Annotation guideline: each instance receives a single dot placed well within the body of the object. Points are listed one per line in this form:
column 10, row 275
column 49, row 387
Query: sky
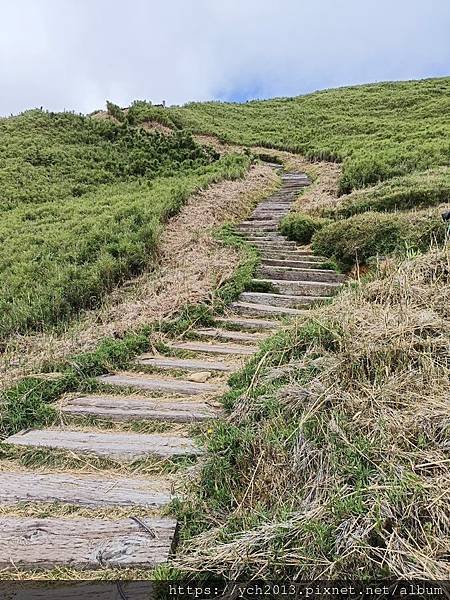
column 76, row 54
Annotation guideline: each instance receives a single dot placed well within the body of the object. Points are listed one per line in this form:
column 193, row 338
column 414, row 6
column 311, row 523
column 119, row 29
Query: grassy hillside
column 81, row 203
column 377, row 131
column 393, row 142
column 333, row 463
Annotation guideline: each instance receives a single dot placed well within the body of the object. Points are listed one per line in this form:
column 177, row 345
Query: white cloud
column 74, row 54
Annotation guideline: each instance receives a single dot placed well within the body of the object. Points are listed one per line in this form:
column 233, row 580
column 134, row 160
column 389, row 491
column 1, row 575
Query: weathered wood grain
column 89, row 543
column 300, row 274
column 184, row 364
column 65, row 590
column 249, row 308
column 226, row 334
column 215, row 348
column 148, row 382
column 301, row 288
column 128, row 408
column 123, row 446
column 289, row 300
column 83, row 490
column 248, row 323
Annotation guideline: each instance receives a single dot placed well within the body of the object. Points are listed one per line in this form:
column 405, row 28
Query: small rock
column 200, row 377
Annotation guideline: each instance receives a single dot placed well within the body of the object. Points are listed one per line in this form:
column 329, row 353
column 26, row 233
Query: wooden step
column 124, row 446
column 300, row 288
column 248, row 323
column 215, row 348
column 130, row 408
column 27, row 542
column 294, row 255
column 248, row 308
column 83, row 490
column 151, row 383
column 287, row 300
column 182, row 364
column 268, row 242
column 296, row 264
column 295, row 274
column 227, row 334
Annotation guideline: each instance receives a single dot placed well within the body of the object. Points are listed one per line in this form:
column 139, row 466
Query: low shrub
column 115, row 111
column 363, row 236
column 417, row 190
column 301, row 228
column 141, row 111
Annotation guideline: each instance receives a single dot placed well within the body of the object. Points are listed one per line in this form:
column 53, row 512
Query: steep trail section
column 146, row 414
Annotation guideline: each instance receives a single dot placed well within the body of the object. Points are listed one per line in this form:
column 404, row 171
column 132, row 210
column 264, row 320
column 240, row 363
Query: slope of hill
column 392, row 136
column 331, row 459
column 82, row 201
column 377, row 131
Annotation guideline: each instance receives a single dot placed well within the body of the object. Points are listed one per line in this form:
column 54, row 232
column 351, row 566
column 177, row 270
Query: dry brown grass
column 191, row 266
column 360, row 484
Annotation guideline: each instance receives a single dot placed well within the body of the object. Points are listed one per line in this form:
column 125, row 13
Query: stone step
column 227, row 334
column 248, row 308
column 123, row 446
column 131, row 408
column 248, row 323
column 183, row 364
column 215, row 348
column 278, row 299
column 296, row 264
column 83, row 490
column 31, row 543
column 295, row 274
column 152, row 383
column 299, row 288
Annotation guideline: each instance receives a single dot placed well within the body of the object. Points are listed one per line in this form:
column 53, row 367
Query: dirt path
column 113, row 463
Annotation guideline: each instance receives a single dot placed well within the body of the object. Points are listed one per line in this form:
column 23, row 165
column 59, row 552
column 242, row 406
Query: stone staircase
column 174, row 391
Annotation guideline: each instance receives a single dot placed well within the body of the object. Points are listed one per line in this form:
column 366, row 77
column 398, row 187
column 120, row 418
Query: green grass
column 301, row 228
column 91, row 215
column 321, row 462
column 416, row 191
column 29, row 403
column 378, row 131
column 364, row 236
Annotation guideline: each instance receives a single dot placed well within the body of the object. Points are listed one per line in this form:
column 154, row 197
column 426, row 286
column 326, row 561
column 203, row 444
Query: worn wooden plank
column 124, row 446
column 83, row 490
column 128, row 408
column 226, row 334
column 215, row 348
column 235, row 321
column 249, row 308
column 299, row 274
column 66, row 590
column 287, row 300
column 84, row 543
column 183, row 364
column 147, row 382
column 296, row 264
column 300, row 288
column 294, row 255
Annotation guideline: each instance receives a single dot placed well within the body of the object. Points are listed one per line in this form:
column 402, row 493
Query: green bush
column 115, row 111
column 364, row 236
column 418, row 190
column 141, row 111
column 301, row 228
column 82, row 205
